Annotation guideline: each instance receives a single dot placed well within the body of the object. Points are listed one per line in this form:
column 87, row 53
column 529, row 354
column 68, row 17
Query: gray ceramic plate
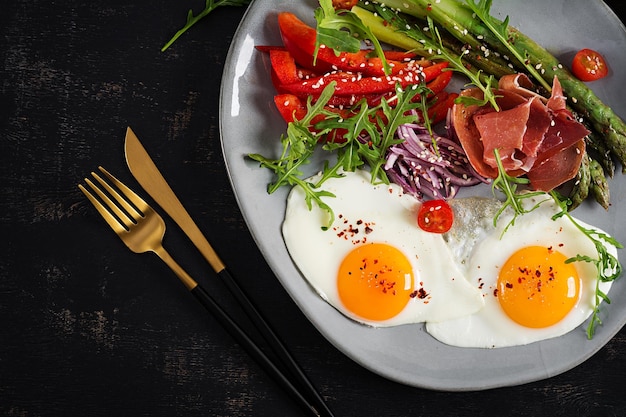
column 407, row 354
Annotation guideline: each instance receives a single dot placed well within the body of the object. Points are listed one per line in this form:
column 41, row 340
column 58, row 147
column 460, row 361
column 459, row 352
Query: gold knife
column 148, row 175
column 150, row 178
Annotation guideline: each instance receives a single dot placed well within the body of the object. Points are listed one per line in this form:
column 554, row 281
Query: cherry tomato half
column 435, row 216
column 589, row 65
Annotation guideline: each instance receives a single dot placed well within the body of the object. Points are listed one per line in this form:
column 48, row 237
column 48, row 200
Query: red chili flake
column 509, row 285
column 420, row 293
column 495, row 292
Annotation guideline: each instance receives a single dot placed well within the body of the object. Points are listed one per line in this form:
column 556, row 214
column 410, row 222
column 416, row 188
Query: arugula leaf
column 508, row 185
column 482, row 10
column 343, row 31
column 209, row 6
column 396, row 116
column 369, row 133
column 434, row 42
column 607, row 265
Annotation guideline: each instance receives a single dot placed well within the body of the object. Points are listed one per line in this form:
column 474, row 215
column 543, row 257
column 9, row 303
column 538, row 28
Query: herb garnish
column 370, row 132
column 508, row 185
column 482, row 10
column 343, row 31
column 432, row 41
column 607, row 265
column 209, row 6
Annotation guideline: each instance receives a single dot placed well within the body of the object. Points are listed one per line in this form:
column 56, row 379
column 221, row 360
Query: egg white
column 390, row 217
column 482, row 249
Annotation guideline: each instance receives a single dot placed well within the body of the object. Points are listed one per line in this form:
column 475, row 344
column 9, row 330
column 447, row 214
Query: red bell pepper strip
column 291, row 108
column 440, row 82
column 299, row 39
column 349, row 84
column 436, row 86
column 400, row 55
column 283, row 67
column 389, row 54
column 439, row 106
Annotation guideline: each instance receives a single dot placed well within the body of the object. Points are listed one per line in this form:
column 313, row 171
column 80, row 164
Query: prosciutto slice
column 534, row 136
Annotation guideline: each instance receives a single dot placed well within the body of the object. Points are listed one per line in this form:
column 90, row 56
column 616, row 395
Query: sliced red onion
column 424, row 172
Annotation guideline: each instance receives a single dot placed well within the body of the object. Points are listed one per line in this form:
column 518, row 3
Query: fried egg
column 531, row 293
column 374, row 264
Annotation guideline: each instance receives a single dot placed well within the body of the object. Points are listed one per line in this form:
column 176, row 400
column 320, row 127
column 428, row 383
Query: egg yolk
column 536, row 288
column 375, row 281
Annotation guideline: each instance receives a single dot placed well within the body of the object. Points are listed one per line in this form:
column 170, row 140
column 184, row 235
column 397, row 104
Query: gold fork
column 142, row 229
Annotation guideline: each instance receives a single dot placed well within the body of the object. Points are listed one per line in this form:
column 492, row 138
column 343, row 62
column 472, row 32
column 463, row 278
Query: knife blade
column 150, row 178
column 148, row 175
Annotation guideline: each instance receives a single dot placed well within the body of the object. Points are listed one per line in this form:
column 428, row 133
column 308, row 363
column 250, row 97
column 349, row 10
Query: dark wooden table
column 89, row 329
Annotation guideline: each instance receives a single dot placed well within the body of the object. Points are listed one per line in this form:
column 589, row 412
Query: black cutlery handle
column 274, row 342
column 253, row 350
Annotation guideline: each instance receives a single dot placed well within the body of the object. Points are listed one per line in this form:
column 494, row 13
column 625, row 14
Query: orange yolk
column 536, row 288
column 375, row 281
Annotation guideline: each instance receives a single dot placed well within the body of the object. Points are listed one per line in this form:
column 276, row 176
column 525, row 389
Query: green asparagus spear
column 599, row 185
column 600, row 151
column 461, row 21
column 582, row 183
column 430, row 46
column 397, row 34
column 581, row 98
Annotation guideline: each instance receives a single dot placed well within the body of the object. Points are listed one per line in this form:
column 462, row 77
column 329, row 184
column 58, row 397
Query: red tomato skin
column 435, row 216
column 589, row 65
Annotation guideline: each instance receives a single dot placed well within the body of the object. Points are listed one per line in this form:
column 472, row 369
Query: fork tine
column 131, row 212
column 125, row 218
column 113, row 222
column 130, row 194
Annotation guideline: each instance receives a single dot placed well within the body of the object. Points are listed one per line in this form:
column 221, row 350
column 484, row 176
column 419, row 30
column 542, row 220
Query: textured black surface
column 88, row 328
